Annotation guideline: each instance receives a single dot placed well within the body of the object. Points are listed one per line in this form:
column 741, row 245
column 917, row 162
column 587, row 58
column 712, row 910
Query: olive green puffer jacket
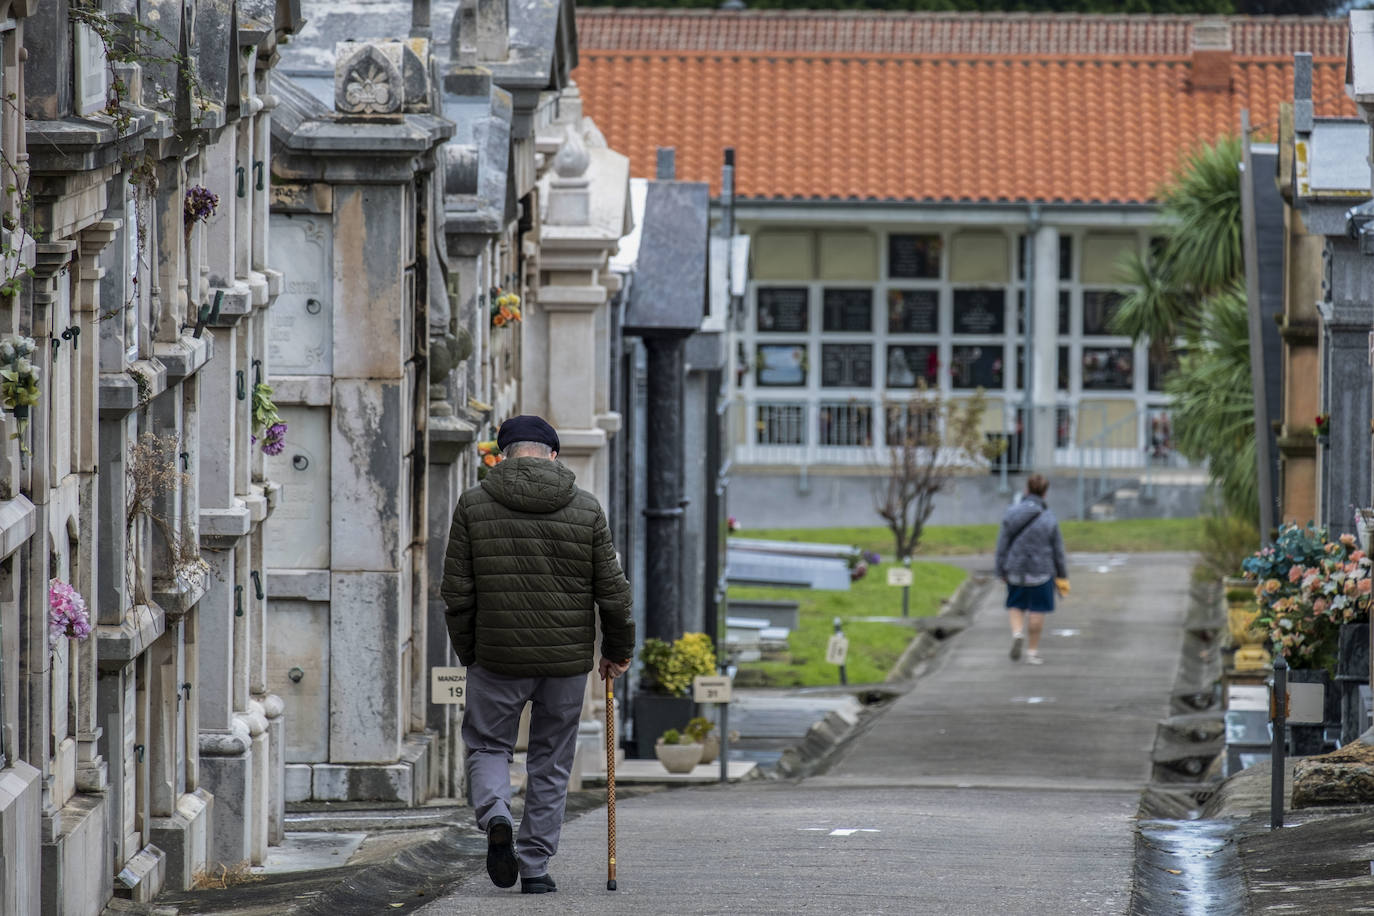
column 529, row 560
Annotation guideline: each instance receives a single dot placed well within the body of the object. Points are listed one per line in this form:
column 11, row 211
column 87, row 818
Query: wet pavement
column 988, row 787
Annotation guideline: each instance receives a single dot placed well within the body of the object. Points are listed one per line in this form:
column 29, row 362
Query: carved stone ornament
column 367, row 78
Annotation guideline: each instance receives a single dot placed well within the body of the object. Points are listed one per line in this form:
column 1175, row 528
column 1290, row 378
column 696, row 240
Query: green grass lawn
column 873, row 647
column 1118, row 536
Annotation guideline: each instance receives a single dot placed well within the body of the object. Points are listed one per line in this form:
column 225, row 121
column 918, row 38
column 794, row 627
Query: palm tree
column 1188, row 298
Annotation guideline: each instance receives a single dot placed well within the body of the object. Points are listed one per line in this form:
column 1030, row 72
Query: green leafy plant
column 699, row 728
column 669, row 668
column 1188, row 299
column 267, row 425
column 671, row 736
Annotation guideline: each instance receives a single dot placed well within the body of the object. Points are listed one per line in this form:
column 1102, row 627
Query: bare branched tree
column 930, row 439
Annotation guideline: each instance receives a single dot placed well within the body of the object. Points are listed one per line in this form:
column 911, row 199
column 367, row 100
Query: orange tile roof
column 843, row 124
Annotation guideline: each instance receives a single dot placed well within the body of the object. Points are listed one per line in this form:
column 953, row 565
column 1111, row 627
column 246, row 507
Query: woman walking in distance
column 1030, row 559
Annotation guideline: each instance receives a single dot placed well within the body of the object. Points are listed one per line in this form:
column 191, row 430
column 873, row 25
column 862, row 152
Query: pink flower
column 1295, row 573
column 67, row 617
column 1348, row 540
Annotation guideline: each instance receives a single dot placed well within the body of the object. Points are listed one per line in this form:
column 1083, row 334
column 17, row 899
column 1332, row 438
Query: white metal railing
column 856, row 433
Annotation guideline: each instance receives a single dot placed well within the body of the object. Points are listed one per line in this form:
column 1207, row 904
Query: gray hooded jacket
column 1030, row 550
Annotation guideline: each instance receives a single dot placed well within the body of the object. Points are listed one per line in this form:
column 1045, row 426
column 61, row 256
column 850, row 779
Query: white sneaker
column 1033, row 658
column 1017, row 642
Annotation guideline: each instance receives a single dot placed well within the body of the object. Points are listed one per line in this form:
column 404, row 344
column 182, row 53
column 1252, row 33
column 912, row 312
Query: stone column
column 1044, row 377
column 1346, row 319
column 664, row 499
column 91, row 773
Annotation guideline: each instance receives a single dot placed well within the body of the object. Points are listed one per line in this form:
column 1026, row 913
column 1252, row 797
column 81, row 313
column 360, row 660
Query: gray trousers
column 491, row 725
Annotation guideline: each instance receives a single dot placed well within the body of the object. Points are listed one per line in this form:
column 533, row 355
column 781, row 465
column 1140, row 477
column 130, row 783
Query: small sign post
column 901, row 576
column 717, row 688
column 711, row 688
column 837, row 650
column 449, row 685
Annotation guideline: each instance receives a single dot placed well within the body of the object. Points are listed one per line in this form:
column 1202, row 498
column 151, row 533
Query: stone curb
column 413, row 877
column 375, row 820
column 959, row 604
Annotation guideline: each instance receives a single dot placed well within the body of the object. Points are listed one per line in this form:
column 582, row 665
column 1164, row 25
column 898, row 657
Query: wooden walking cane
column 610, row 785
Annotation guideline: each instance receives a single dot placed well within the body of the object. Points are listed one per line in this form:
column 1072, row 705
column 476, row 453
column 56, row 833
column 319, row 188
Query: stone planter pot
column 653, row 714
column 678, row 758
column 710, row 748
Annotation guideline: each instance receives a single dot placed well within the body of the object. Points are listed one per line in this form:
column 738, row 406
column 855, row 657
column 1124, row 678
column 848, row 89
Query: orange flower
column 490, row 460
column 498, row 320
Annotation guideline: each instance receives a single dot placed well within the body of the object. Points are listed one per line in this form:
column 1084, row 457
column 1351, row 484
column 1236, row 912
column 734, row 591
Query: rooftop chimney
column 1211, row 64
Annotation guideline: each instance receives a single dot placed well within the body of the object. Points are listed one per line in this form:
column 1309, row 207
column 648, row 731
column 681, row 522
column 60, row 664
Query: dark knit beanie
column 526, row 428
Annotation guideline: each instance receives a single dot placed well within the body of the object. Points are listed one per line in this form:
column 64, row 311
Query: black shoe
column 539, row 884
column 501, row 864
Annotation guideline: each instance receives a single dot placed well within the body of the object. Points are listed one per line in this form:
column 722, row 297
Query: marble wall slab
column 365, row 688
column 298, row 535
column 298, row 638
column 300, row 330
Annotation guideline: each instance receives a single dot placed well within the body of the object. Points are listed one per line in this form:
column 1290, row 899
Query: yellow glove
column 1062, row 585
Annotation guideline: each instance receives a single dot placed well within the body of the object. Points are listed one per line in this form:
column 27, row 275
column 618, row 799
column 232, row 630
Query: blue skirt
column 1037, row 598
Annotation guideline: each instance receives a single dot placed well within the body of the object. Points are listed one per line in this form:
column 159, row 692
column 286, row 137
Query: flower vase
column 1249, row 640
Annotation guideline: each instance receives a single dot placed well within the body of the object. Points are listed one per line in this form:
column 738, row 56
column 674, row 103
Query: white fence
column 1098, row 440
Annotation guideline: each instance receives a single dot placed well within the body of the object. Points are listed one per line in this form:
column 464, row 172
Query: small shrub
column 699, row 728
column 669, row 669
column 672, row 736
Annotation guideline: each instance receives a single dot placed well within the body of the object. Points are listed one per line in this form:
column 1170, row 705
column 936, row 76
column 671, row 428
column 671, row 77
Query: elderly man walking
column 529, row 563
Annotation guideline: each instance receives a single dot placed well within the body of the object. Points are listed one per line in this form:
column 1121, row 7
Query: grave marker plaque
column 980, row 311
column 907, row 364
column 783, row 309
column 846, row 365
column 913, row 311
column 915, row 257
column 848, row 310
column 976, row 367
column 780, row 365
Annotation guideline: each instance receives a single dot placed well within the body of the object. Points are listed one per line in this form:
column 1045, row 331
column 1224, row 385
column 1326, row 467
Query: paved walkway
column 990, row 788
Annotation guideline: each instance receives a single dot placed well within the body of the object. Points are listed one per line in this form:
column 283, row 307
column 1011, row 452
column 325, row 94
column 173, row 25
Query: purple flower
column 872, row 557
column 200, row 204
column 274, row 440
